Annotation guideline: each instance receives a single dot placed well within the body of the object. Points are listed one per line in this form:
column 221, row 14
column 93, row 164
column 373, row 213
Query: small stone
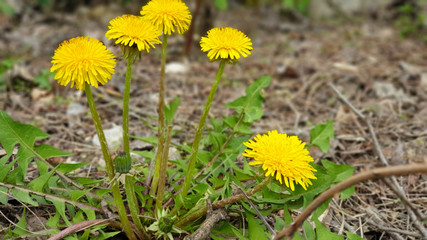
column 176, row 67
column 113, row 136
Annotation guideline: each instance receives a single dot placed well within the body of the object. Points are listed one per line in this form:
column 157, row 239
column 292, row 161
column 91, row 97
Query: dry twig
column 212, row 217
column 360, row 177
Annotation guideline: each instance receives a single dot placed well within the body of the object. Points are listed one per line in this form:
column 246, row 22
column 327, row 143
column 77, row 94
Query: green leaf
column 251, row 104
column 255, row 229
column 324, row 234
column 12, row 133
column 21, row 225
column 321, row 134
column 170, row 110
column 60, row 207
column 23, row 197
column 44, row 78
column 53, row 221
column 87, row 181
column 308, row 230
column 352, row 236
column 346, row 193
column 4, row 196
column 339, row 171
column 221, row 4
column 279, row 223
column 39, row 183
column 6, row 9
column 320, row 210
column 47, row 151
column 227, row 230
column 68, row 167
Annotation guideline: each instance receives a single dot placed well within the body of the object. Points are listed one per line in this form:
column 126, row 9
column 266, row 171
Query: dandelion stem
column 161, row 121
column 126, row 96
column 197, row 138
column 109, row 163
column 163, row 167
column 133, row 204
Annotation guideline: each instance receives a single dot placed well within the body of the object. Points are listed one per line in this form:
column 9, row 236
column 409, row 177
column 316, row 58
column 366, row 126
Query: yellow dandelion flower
column 282, row 155
column 130, row 30
column 82, row 60
column 226, row 43
column 167, row 14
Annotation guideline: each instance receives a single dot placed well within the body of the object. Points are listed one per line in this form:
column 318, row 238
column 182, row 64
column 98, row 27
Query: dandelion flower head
column 226, row 43
column 167, row 14
column 82, row 60
column 130, row 30
column 282, row 155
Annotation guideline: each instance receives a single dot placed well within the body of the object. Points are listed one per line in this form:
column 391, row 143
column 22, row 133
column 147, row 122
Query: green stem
column 186, row 219
column 110, row 168
column 163, row 168
column 133, row 204
column 197, row 138
column 126, row 96
column 161, row 121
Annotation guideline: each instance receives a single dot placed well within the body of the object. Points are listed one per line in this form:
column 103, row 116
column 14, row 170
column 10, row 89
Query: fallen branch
column 375, row 173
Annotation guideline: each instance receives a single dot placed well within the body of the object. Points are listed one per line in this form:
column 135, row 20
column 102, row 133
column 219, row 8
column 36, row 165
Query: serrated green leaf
column 308, row 230
column 47, row 151
column 321, row 134
column 352, row 236
column 39, row 183
column 23, row 197
column 170, row 110
column 21, row 226
column 255, row 229
column 60, row 207
column 12, row 133
column 53, row 221
column 324, row 234
column 251, row 103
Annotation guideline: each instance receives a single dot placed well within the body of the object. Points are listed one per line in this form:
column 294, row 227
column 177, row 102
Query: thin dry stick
column 14, row 224
column 78, row 227
column 26, row 207
column 272, row 231
column 360, row 177
column 413, row 213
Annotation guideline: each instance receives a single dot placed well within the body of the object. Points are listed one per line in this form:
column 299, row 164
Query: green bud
column 165, row 224
column 122, row 163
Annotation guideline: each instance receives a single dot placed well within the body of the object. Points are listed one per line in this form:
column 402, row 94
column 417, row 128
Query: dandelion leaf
column 251, row 103
column 323, row 233
column 255, row 229
column 321, row 134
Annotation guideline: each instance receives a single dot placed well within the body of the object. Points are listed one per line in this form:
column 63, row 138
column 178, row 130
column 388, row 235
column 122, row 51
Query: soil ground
column 383, row 75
